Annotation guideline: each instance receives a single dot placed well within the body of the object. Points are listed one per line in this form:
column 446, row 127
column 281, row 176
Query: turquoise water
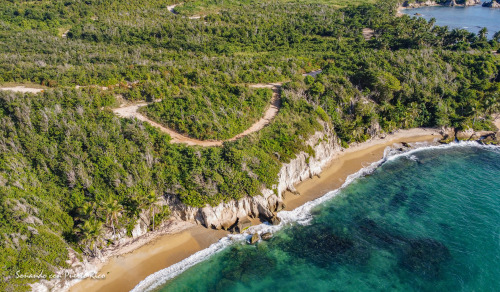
column 424, row 221
column 471, row 18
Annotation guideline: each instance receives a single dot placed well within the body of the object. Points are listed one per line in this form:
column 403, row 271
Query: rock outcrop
column 483, row 137
column 416, row 4
column 450, row 3
column 266, row 236
column 325, row 145
column 472, row 2
column 255, row 238
column 492, row 4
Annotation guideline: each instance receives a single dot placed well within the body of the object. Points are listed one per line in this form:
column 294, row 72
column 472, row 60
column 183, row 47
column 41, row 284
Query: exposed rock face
column 492, row 4
column 417, row 4
column 450, row 3
column 472, row 2
column 275, row 220
column 324, row 144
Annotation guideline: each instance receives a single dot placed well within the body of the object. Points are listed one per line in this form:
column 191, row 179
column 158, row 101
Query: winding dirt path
column 270, row 113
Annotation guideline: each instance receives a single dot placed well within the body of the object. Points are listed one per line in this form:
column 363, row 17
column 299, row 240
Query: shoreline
column 350, row 161
column 123, row 272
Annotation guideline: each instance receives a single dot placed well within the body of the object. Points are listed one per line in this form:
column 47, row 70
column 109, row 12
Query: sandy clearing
column 171, row 8
column 313, row 73
column 22, row 89
column 368, row 33
column 132, row 112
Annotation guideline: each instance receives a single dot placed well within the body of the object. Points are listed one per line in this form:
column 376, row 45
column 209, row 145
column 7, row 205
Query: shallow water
column 424, row 221
column 471, row 18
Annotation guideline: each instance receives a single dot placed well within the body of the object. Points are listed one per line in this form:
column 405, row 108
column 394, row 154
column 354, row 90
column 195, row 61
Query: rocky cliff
column 223, row 216
column 227, row 215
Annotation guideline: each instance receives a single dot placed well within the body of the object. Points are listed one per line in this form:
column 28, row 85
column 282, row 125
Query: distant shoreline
column 399, row 12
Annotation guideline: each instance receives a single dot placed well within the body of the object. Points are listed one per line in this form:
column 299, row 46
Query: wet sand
column 124, row 272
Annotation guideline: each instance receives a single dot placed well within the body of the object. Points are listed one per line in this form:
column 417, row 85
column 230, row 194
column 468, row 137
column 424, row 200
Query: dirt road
column 132, row 112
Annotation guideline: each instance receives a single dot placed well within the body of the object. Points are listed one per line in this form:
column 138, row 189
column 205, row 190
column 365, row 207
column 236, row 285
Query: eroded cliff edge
column 226, row 215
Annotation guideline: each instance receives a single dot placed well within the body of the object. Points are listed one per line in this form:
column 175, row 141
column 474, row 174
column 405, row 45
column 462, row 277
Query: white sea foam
column 301, row 215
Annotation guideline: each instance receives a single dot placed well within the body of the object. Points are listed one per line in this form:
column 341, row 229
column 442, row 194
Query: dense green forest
column 72, row 174
column 208, row 113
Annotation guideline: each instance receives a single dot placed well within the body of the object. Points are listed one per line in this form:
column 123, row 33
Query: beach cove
column 124, row 272
column 421, row 220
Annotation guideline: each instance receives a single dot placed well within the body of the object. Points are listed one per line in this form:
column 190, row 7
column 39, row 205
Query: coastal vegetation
column 74, row 175
column 220, row 112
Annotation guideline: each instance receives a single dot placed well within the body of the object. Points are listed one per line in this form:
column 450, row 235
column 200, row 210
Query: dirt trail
column 313, row 73
column 131, row 111
column 22, row 89
column 270, row 113
column 171, row 9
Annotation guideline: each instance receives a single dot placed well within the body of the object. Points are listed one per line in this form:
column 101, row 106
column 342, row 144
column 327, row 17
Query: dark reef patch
column 424, row 257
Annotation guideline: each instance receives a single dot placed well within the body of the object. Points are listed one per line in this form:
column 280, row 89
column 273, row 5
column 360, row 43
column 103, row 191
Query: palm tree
column 113, row 209
column 90, row 233
column 152, row 200
column 88, row 209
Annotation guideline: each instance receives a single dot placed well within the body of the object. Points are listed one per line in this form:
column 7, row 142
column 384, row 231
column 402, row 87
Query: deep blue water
column 471, row 18
column 424, row 221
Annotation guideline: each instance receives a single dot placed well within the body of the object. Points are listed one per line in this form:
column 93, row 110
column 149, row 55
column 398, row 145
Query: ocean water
column 472, row 18
column 426, row 220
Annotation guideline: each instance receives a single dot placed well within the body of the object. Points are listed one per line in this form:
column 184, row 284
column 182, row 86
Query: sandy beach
column 350, row 161
column 126, row 271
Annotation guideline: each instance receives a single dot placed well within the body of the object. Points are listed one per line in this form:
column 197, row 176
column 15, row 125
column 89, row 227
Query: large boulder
column 464, row 135
column 275, row 220
column 242, row 225
column 266, row 236
column 447, row 139
column 255, row 238
column 275, row 204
